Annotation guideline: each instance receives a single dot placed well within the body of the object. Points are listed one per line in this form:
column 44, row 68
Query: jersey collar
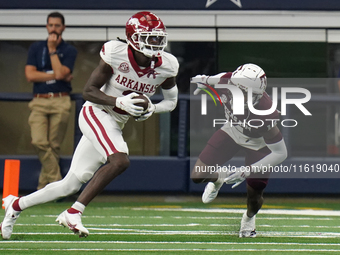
column 141, row 72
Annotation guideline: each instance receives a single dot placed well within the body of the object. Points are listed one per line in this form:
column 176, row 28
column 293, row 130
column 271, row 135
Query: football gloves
column 237, row 177
column 151, row 109
column 200, row 80
column 127, row 103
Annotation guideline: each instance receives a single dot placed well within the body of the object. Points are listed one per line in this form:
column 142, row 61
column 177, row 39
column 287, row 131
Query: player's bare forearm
column 94, row 95
column 98, row 78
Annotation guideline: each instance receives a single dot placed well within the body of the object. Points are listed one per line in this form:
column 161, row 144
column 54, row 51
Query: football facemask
column 150, row 43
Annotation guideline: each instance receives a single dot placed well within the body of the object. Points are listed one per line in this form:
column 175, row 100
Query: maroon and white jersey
column 246, row 129
column 128, row 77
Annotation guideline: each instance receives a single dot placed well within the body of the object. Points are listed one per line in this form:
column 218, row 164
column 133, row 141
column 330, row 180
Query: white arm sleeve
column 278, row 154
column 214, row 79
column 169, row 102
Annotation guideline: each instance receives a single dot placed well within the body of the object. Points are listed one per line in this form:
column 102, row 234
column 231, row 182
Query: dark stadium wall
column 171, row 175
column 175, row 5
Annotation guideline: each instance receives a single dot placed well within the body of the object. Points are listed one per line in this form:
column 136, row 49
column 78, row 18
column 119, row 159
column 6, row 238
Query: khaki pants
column 48, row 121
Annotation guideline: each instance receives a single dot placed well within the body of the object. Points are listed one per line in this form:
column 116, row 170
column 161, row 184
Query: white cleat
column 73, row 222
column 247, row 226
column 11, row 216
column 211, row 191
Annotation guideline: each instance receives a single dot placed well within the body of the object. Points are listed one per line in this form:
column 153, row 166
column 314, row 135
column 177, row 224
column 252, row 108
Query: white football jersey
column 128, row 77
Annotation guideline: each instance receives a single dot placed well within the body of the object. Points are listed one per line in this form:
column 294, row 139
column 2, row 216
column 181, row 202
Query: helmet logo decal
column 134, row 22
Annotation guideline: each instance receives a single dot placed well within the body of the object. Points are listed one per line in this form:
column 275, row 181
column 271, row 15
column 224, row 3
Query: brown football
column 144, row 104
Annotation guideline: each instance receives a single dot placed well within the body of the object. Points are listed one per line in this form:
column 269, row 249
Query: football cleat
column 211, row 191
column 247, row 226
column 11, row 216
column 73, row 222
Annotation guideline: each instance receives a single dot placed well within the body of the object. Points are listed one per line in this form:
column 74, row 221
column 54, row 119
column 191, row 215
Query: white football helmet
column 250, row 76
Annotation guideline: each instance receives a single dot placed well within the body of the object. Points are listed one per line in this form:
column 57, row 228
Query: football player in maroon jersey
column 262, row 142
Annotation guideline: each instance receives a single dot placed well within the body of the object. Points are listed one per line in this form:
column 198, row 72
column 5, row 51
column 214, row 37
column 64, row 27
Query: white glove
column 237, row 177
column 200, row 80
column 147, row 114
column 127, row 103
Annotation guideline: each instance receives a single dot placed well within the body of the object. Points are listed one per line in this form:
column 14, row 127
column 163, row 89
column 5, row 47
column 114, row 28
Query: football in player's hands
column 144, row 104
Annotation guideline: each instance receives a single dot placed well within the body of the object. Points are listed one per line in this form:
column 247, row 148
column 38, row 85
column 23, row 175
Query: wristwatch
column 53, row 53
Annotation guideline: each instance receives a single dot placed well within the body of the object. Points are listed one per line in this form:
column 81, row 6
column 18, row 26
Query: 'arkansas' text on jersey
column 135, row 85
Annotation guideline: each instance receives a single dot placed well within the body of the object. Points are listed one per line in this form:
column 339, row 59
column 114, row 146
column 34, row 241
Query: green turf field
column 180, row 225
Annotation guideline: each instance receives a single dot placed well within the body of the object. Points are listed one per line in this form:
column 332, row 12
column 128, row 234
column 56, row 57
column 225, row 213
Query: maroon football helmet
column 145, row 32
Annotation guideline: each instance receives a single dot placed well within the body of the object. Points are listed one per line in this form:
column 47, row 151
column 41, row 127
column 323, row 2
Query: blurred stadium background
column 154, row 208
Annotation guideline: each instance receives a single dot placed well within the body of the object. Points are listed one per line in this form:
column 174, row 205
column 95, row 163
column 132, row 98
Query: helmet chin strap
column 152, row 68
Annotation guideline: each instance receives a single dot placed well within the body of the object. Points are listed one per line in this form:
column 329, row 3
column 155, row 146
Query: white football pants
column 102, row 136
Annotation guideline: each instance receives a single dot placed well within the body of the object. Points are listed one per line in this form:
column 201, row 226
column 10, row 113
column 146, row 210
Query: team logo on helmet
column 134, row 22
column 124, row 67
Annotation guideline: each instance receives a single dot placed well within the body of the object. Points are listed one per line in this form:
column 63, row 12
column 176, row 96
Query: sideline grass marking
column 176, row 225
column 271, row 207
column 262, row 211
column 192, row 233
column 259, row 217
column 172, row 242
column 99, row 217
column 163, row 250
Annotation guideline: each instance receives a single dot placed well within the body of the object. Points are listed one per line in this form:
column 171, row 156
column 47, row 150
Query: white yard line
column 259, row 217
column 169, row 242
column 192, row 233
column 181, row 225
column 163, row 250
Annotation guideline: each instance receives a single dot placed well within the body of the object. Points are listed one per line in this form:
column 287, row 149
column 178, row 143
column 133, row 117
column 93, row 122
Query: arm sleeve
column 169, row 102
column 214, row 79
column 277, row 155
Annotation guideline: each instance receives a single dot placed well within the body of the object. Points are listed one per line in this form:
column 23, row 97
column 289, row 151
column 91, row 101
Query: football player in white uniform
column 128, row 68
column 261, row 140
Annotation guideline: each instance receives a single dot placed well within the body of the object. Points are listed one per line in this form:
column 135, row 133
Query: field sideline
column 180, row 225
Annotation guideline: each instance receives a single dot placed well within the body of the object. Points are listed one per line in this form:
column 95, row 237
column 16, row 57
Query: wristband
column 53, row 53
